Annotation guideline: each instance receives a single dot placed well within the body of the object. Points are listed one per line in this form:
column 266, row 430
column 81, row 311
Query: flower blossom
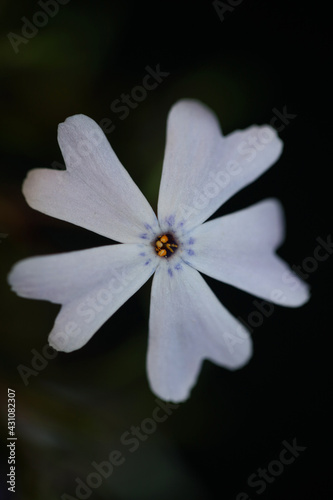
column 202, row 169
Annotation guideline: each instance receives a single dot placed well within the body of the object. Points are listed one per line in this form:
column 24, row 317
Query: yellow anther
column 165, row 245
column 169, row 245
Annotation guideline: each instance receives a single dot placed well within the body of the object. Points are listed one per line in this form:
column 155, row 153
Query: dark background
column 261, row 57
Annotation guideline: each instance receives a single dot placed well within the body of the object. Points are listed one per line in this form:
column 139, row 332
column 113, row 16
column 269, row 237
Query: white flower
column 201, row 170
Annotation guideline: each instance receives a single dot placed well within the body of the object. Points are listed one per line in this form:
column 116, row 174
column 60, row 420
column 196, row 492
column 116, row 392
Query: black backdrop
column 250, row 61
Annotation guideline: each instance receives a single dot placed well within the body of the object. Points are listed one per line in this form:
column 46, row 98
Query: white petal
column 95, row 192
column 238, row 249
column 187, row 324
column 202, row 169
column 91, row 284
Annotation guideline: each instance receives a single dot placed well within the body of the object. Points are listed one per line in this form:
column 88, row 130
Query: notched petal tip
column 69, row 333
column 245, row 358
column 16, row 279
column 177, row 392
column 56, row 346
column 28, row 182
column 301, row 296
column 172, row 398
column 61, row 343
column 35, row 184
column 77, row 120
column 195, row 110
column 191, row 103
column 190, row 326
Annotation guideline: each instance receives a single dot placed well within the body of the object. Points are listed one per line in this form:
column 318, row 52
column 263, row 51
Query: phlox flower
column 202, row 169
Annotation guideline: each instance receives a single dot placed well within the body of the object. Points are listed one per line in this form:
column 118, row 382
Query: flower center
column 165, row 245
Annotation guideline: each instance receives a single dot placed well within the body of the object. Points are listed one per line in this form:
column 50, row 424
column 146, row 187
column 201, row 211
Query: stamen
column 165, row 245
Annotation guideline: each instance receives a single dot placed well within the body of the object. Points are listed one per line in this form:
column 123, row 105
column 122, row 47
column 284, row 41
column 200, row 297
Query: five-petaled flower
column 201, row 170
